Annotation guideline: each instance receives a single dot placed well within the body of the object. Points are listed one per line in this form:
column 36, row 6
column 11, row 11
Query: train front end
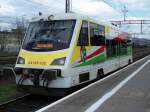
column 42, row 60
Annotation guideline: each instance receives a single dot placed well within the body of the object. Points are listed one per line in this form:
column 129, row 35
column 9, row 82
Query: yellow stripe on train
column 36, row 59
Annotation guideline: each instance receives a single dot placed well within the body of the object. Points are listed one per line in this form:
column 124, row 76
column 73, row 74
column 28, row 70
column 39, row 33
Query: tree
column 20, row 24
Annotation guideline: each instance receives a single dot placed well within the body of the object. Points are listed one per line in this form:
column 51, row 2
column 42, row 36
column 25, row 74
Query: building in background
column 10, row 42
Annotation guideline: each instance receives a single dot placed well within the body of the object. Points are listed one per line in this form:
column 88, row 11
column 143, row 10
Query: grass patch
column 7, row 90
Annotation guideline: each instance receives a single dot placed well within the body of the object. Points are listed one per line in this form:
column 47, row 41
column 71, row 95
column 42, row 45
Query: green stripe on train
column 95, row 60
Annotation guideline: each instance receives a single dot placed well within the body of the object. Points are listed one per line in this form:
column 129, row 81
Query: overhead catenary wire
column 110, row 5
column 122, row 3
column 52, row 8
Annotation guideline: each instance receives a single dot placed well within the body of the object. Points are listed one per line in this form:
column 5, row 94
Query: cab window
column 43, row 36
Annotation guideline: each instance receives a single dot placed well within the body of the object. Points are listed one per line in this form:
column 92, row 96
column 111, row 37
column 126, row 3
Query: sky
column 101, row 9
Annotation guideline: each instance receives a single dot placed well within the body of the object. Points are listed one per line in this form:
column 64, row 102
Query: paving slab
column 133, row 97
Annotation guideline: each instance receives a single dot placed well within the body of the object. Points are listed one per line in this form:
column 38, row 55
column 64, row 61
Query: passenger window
column 111, row 48
column 83, row 37
column 97, row 35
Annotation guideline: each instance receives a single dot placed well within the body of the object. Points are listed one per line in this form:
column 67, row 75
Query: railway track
column 28, row 103
column 6, row 103
column 7, row 60
column 139, row 52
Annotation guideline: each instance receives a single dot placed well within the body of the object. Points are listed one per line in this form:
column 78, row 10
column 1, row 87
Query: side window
column 111, row 48
column 83, row 37
column 97, row 35
column 123, row 48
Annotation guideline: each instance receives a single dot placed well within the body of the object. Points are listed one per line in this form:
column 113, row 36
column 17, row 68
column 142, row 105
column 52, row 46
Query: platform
column 127, row 90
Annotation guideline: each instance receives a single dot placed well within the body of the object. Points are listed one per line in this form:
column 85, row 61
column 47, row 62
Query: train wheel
column 100, row 74
column 129, row 62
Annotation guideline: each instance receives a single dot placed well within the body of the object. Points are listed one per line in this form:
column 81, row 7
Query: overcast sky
column 101, row 9
column 136, row 8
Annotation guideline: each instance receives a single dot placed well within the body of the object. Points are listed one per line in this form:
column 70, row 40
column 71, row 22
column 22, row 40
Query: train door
column 118, row 52
column 97, row 42
column 83, row 41
column 122, row 50
column 118, row 47
column 83, row 49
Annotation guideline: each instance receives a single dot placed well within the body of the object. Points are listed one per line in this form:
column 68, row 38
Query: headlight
column 21, row 60
column 59, row 61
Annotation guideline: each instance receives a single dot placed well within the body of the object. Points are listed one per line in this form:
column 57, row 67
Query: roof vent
column 40, row 13
column 50, row 17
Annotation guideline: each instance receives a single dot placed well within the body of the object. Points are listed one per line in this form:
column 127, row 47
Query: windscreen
column 49, row 35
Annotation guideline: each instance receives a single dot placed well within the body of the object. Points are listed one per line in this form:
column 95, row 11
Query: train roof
column 56, row 16
column 68, row 16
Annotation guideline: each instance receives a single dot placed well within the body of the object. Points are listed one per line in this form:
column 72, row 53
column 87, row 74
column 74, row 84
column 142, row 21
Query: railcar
column 65, row 50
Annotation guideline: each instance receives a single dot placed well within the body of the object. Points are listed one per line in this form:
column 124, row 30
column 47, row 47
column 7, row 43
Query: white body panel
column 71, row 74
